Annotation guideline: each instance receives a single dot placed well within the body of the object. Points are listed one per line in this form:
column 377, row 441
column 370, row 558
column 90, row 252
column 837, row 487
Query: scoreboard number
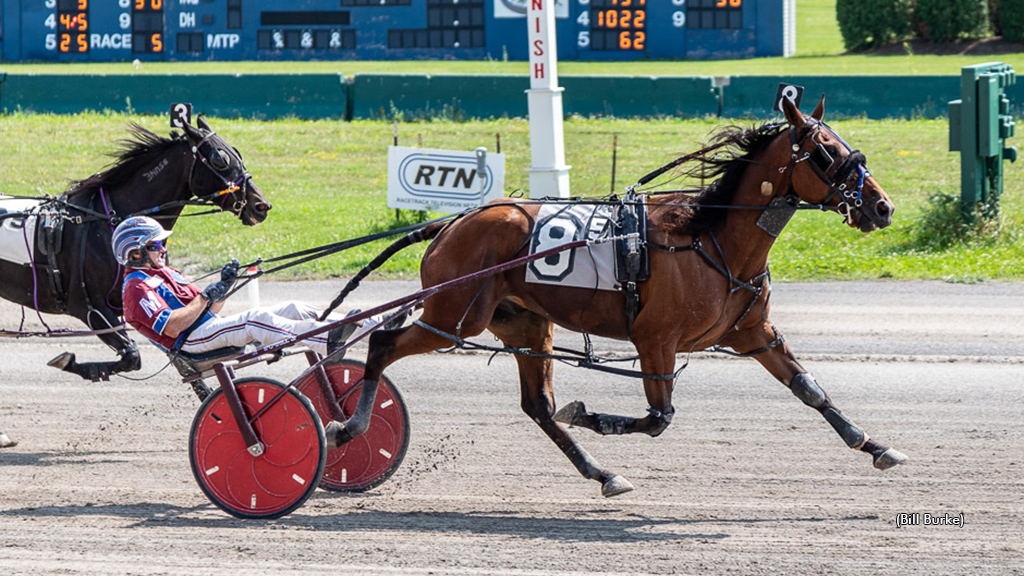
column 181, row 114
column 236, row 30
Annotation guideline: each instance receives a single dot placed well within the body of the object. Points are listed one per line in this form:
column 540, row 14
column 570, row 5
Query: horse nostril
column 263, row 206
column 883, row 208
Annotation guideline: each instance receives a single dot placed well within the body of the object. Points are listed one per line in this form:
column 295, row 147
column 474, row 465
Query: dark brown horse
column 708, row 285
column 152, row 176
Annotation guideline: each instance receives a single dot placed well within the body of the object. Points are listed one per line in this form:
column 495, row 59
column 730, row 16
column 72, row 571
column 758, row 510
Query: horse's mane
column 132, row 154
column 729, row 151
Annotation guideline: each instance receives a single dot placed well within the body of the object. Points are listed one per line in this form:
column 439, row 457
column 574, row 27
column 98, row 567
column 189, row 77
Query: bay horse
column 708, row 285
column 74, row 271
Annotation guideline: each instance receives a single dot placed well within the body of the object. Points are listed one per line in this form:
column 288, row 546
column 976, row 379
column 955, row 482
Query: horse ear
column 819, row 110
column 793, row 115
column 201, row 122
column 191, row 133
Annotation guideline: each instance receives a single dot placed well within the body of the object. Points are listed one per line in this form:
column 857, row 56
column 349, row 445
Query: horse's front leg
column 658, row 364
column 129, row 360
column 779, row 360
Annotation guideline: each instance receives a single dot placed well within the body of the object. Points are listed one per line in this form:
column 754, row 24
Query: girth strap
column 631, row 253
column 49, row 241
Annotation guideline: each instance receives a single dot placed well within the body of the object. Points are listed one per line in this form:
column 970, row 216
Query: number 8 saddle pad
column 586, row 267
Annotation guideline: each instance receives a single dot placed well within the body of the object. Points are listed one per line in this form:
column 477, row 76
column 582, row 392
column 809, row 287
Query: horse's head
column 825, row 170
column 219, row 170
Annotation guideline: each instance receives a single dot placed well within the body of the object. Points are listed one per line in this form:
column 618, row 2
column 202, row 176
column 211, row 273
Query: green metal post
column 979, row 124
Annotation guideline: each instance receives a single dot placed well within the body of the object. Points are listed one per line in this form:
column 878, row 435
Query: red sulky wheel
column 274, row 483
column 372, row 458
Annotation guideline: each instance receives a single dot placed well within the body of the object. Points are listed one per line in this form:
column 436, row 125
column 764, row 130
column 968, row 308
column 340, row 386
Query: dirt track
column 746, row 480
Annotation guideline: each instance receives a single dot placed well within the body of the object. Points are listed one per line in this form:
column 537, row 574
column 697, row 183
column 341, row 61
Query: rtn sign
column 443, row 180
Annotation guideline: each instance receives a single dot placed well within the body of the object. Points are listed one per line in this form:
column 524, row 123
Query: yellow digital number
column 625, row 42
column 638, row 41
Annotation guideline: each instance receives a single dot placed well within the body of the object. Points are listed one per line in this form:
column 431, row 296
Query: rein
column 303, row 256
column 586, row 359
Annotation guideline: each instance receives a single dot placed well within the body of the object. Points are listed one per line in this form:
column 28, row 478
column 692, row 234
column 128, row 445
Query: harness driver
column 174, row 314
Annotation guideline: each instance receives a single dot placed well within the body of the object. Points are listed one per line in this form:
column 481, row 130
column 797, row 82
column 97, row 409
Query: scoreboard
column 197, row 30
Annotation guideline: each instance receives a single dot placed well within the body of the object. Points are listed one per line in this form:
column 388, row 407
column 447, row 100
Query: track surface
column 746, row 480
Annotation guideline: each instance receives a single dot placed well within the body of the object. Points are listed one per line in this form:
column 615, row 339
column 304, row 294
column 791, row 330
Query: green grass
column 817, row 32
column 328, row 180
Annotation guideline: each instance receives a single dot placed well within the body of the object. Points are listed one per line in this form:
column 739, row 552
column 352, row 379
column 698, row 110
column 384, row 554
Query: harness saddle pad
column 14, row 231
column 587, row 267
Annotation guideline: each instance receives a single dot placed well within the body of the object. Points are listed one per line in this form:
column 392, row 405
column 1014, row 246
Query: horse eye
column 217, row 160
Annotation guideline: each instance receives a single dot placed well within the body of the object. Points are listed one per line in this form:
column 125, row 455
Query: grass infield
column 328, row 180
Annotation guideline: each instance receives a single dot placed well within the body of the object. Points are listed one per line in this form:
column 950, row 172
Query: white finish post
column 253, row 288
column 549, row 176
column 788, row 28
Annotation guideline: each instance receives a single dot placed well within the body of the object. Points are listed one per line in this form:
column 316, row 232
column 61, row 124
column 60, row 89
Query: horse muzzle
column 870, row 217
column 256, row 206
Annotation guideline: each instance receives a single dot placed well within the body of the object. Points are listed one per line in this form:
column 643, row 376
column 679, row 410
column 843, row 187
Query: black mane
column 133, row 155
column 736, row 147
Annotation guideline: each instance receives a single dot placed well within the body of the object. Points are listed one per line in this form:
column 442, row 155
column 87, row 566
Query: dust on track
column 747, row 480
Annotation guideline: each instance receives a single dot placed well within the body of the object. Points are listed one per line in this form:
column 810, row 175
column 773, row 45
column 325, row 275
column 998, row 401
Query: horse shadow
column 57, row 458
column 568, row 526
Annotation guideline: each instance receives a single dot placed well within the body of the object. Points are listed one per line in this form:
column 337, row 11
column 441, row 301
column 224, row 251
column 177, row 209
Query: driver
column 174, row 314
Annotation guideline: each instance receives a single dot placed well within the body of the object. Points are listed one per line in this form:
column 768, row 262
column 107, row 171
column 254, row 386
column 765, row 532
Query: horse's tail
column 428, row 232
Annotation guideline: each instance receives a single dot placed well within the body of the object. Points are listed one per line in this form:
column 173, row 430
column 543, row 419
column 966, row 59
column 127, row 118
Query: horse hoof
column 615, row 485
column 6, row 442
column 891, row 457
column 332, row 432
column 570, row 413
column 62, row 361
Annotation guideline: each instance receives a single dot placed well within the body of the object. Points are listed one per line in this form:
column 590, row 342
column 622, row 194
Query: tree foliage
column 869, row 23
column 950, row 20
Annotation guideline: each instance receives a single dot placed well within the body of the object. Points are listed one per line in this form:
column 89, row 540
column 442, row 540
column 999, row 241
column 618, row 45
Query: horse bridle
column 238, row 190
column 841, row 177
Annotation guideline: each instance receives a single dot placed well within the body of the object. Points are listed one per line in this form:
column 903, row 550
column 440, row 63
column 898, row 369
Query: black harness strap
column 47, row 233
column 756, row 285
column 571, row 357
column 779, row 339
column 631, row 253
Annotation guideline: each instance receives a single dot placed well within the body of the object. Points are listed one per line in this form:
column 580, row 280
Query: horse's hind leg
column 386, row 347
column 524, row 329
